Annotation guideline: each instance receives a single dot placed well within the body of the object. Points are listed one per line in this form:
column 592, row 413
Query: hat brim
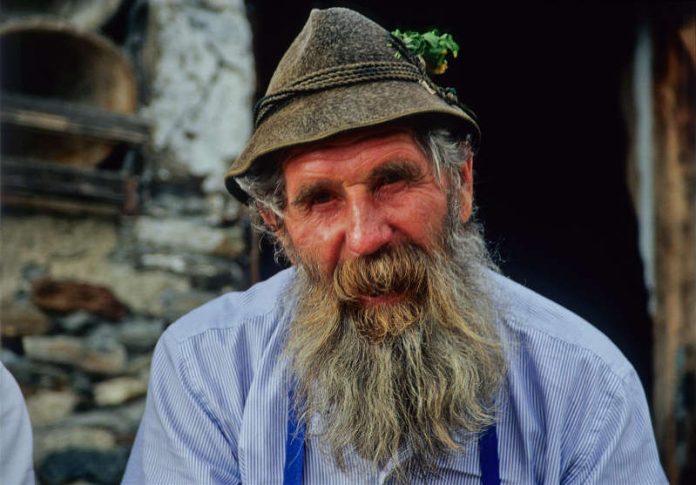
column 323, row 114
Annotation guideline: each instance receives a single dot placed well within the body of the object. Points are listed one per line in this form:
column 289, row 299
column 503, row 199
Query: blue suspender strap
column 294, row 447
column 488, row 457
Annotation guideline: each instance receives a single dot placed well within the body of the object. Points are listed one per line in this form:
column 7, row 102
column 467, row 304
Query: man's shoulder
column 542, row 325
column 263, row 303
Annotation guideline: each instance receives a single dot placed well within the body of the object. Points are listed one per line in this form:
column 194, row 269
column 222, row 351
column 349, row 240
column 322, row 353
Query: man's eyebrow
column 396, row 170
column 306, row 192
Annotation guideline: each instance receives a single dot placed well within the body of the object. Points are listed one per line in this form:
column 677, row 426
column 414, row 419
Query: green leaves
column 432, row 47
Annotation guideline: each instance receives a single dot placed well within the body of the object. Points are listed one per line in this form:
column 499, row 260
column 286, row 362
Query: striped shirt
column 572, row 409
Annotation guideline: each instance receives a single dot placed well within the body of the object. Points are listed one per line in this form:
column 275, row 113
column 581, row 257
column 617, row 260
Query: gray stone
column 84, row 466
column 176, row 263
column 203, row 85
column 107, row 420
column 177, row 304
column 139, row 364
column 122, row 420
column 132, row 412
column 223, row 209
column 176, row 205
column 78, row 322
column 204, row 272
column 35, row 374
column 49, row 407
column 32, row 271
column 119, row 390
column 190, row 235
column 48, row 440
column 98, row 356
column 103, row 335
column 214, row 276
column 81, row 383
column 140, row 335
column 22, row 318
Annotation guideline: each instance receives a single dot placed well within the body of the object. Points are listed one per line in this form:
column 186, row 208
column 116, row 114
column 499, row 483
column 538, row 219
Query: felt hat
column 341, row 73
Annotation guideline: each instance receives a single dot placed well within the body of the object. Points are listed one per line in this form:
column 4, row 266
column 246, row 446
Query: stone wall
column 84, row 299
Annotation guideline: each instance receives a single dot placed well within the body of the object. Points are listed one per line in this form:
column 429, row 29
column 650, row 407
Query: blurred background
column 119, row 118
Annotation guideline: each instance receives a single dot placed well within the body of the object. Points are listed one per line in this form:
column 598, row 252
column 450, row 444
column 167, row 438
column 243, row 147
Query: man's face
column 391, row 342
column 358, row 193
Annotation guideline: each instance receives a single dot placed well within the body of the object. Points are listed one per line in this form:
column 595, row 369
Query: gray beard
column 408, row 383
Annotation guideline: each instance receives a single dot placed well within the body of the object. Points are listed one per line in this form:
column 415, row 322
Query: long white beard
column 418, row 375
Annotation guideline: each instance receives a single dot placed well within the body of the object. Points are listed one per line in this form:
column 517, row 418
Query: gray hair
column 266, row 185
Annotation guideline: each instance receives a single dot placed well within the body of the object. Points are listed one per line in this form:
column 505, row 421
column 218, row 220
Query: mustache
column 401, row 269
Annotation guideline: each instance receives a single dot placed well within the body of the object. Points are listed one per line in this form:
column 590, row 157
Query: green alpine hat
column 342, row 72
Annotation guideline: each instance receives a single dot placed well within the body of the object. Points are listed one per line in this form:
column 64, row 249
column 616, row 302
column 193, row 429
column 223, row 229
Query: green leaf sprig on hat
column 431, row 47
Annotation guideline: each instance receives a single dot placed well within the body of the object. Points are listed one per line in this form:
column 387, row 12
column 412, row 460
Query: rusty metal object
column 52, row 61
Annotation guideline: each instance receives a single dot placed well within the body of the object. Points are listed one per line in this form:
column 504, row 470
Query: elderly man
column 392, row 351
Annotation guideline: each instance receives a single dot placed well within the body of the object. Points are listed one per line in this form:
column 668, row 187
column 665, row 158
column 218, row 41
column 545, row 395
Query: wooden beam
column 27, row 179
column 72, row 118
column 675, row 236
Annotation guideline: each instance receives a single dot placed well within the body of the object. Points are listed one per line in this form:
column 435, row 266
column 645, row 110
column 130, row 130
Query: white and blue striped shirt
column 572, row 409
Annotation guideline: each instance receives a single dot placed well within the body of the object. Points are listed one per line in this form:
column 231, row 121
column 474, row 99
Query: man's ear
column 466, row 195
column 270, row 219
column 274, row 225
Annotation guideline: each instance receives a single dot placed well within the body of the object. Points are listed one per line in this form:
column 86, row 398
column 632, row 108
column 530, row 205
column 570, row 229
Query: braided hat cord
column 338, row 76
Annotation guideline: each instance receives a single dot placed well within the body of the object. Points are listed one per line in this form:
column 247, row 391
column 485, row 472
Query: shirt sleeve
column 179, row 440
column 16, row 466
column 624, row 450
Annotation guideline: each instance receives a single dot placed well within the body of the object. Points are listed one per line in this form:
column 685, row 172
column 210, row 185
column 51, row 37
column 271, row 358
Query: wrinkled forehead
column 353, row 138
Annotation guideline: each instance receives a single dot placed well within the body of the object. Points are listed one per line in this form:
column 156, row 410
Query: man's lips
column 387, row 299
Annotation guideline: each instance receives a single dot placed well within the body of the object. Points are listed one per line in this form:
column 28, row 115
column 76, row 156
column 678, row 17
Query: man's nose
column 368, row 228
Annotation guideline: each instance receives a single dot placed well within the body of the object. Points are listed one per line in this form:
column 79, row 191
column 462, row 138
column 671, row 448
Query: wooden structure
column 662, row 176
column 68, row 99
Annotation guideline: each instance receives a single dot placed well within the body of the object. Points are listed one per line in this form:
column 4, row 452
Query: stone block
column 123, row 420
column 189, row 235
column 96, row 357
column 177, row 304
column 139, row 364
column 30, row 374
column 20, row 319
column 201, row 59
column 69, row 296
column 140, row 335
column 81, row 465
column 50, row 439
column 78, row 322
column 49, row 407
column 119, row 390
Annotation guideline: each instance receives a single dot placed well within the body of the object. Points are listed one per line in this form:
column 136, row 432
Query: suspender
column 488, row 456
column 294, row 452
column 294, row 447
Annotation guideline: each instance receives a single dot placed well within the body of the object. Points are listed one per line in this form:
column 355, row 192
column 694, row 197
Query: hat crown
column 342, row 72
column 330, row 38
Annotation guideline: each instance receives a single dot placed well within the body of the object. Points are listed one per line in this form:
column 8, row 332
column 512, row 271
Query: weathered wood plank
column 72, row 118
column 24, row 179
column 675, row 253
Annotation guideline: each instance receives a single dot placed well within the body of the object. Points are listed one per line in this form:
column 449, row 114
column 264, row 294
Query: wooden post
column 674, row 176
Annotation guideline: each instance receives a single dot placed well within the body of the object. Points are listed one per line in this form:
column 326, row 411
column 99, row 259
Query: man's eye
column 321, row 198
column 390, row 179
